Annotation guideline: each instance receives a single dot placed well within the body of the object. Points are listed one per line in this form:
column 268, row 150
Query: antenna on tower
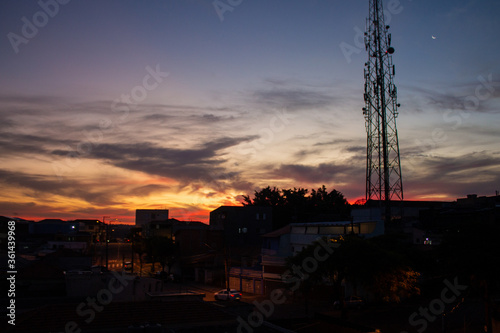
column 383, row 167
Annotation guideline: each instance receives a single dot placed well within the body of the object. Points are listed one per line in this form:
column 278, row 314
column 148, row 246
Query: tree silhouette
column 366, row 263
column 470, row 251
column 297, row 205
column 162, row 250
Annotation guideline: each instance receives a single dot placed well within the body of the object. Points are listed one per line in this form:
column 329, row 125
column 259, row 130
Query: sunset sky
column 110, row 106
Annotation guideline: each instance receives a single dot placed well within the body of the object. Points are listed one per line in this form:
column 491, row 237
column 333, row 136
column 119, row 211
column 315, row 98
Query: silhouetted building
column 94, row 228
column 242, row 225
column 21, row 229
column 68, row 260
column 201, row 255
column 276, row 248
column 53, row 226
column 145, row 216
column 469, row 210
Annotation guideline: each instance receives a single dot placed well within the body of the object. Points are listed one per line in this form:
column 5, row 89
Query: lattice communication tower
column 383, row 167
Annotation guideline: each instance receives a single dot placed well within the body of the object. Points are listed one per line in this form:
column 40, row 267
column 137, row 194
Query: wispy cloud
column 472, row 96
column 448, row 175
column 293, row 99
column 36, row 185
column 203, row 162
column 324, row 173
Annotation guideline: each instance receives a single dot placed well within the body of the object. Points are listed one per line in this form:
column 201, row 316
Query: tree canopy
column 302, row 205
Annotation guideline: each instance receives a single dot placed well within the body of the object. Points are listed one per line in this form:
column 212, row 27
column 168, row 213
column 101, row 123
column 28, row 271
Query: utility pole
column 383, row 167
column 107, row 238
column 226, row 255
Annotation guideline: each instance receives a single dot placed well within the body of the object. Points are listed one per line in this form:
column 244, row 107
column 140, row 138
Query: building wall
column 243, row 225
column 304, row 234
column 246, row 280
column 145, row 216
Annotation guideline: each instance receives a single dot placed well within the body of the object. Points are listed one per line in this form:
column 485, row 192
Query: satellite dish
column 390, row 50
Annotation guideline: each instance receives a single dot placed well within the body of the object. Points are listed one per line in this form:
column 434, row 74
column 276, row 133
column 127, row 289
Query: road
column 118, row 253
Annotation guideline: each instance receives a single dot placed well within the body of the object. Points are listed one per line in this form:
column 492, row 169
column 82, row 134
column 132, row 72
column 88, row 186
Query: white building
column 304, row 234
column 290, row 240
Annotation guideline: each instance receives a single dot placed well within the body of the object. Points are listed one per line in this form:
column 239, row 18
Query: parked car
column 353, row 302
column 127, row 265
column 224, row 295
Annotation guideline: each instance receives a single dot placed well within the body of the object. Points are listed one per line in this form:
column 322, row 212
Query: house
column 276, row 248
column 94, row 228
column 201, row 255
column 243, row 227
column 290, row 240
column 145, row 216
column 304, row 234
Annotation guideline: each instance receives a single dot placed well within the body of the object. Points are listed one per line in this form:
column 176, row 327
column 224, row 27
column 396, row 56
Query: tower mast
column 383, row 167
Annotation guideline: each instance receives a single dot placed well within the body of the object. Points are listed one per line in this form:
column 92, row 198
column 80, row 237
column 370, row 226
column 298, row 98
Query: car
column 353, row 302
column 127, row 266
column 224, row 295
